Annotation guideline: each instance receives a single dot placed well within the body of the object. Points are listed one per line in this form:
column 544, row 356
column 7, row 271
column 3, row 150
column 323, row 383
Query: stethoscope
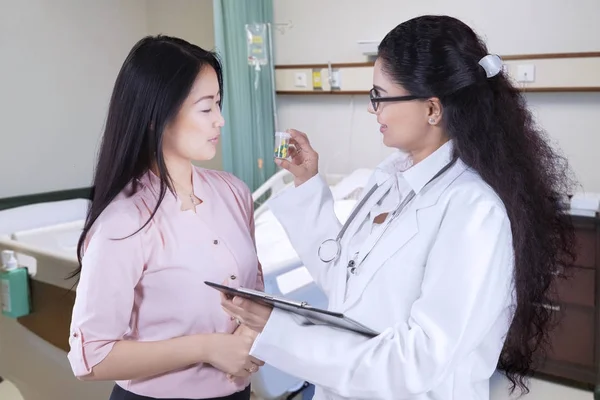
column 331, row 249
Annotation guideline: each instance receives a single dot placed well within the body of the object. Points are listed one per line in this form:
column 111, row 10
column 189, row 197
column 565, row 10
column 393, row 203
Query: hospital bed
column 37, row 365
column 283, row 271
column 44, row 236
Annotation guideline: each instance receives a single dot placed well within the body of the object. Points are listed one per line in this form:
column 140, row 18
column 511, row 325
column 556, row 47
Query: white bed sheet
column 59, row 238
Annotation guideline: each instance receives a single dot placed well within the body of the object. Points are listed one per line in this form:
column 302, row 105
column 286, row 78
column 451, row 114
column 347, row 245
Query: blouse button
column 215, row 241
column 233, row 277
column 75, row 334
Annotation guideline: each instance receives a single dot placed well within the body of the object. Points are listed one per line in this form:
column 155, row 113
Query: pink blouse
column 151, row 287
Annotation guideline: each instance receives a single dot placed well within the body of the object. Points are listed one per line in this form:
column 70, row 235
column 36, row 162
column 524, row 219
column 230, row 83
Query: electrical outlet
column 526, row 73
column 300, row 79
column 336, row 79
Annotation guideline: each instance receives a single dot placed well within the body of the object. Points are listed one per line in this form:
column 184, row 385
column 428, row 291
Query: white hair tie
column 492, row 64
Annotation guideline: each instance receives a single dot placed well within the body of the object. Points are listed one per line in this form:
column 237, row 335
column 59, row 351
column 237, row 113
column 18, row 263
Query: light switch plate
column 336, row 79
column 300, row 79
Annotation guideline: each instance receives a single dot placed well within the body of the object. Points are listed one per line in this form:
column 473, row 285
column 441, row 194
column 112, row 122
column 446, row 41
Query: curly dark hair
column 495, row 134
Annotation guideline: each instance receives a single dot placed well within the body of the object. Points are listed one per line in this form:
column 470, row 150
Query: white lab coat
column 438, row 286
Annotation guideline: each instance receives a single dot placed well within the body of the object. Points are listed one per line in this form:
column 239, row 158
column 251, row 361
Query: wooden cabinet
column 574, row 352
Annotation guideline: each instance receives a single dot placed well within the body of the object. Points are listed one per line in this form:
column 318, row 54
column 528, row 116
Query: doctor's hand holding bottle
column 305, row 160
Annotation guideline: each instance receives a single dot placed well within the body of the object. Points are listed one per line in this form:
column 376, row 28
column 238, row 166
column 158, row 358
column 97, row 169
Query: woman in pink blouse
column 157, row 229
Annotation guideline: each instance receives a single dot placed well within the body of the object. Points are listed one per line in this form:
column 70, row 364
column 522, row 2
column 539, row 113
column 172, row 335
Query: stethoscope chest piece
column 329, row 250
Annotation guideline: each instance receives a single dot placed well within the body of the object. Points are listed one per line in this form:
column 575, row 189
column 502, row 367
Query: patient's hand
column 305, row 160
column 245, row 331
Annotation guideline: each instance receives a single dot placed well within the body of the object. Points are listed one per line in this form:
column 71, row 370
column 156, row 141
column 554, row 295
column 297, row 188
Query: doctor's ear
column 434, row 111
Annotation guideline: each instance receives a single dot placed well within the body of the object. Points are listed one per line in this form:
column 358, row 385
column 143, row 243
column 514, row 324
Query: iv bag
column 257, row 40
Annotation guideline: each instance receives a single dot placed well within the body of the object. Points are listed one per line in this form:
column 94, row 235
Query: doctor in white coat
column 451, row 254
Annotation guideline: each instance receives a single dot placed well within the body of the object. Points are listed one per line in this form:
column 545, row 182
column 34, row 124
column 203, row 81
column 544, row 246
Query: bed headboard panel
column 12, row 202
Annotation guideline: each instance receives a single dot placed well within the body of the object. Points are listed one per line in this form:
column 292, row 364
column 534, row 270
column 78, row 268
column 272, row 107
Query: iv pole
column 270, row 57
column 273, row 92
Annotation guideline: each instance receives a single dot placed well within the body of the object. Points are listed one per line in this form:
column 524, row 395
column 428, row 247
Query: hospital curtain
column 248, row 105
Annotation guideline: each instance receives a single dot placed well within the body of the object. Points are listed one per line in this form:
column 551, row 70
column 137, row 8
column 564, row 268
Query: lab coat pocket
column 391, row 291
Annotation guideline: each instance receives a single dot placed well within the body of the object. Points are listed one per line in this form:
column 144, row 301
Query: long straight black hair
column 151, row 86
column 495, row 134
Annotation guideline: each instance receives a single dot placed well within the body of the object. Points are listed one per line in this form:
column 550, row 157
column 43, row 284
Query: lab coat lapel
column 395, row 238
column 398, row 236
column 341, row 266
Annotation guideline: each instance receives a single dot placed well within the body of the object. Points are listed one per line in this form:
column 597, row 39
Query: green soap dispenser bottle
column 14, row 286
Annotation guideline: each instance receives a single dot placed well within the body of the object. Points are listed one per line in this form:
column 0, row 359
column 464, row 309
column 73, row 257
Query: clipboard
column 314, row 316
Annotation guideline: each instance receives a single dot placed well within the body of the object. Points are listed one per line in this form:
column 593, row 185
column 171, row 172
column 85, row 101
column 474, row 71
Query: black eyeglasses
column 375, row 99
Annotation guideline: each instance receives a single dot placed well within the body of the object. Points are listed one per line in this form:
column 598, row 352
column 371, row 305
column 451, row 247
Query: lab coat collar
column 400, row 166
column 418, row 175
column 391, row 166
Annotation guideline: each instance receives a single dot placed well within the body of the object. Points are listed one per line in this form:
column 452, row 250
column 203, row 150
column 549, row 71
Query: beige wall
column 191, row 20
column 60, row 59
column 347, row 137
column 55, row 98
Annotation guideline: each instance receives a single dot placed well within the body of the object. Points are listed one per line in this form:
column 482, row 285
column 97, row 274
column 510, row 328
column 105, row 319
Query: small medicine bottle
column 282, row 145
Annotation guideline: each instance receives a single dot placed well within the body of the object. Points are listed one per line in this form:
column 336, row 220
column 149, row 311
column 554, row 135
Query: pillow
column 355, row 194
column 351, row 186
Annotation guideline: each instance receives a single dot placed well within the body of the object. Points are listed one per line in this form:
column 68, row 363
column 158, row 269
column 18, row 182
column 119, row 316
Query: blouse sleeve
column 112, row 265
